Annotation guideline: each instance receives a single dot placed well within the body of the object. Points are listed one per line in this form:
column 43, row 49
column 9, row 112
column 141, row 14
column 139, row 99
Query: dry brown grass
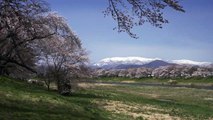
column 84, row 85
column 128, row 81
column 135, row 110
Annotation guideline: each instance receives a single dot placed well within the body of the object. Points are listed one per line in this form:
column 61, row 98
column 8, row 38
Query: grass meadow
column 22, row 101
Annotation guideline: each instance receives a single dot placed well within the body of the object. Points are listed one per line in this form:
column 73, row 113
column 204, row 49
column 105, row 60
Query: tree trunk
column 48, row 87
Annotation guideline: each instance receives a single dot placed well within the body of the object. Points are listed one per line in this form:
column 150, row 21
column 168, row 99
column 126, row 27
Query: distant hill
column 156, row 64
column 137, row 62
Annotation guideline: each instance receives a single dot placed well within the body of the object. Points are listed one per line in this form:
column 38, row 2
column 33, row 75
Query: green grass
column 195, row 80
column 19, row 100
column 22, row 101
column 184, row 101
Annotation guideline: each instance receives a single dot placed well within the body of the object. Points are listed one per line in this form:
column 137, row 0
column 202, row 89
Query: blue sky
column 188, row 35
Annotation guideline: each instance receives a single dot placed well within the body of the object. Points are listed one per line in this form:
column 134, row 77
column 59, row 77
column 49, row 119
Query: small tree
column 45, row 75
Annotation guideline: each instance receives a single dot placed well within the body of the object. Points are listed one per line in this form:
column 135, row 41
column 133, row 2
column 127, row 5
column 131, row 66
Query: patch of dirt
column 136, row 110
column 128, row 81
column 104, row 84
column 92, row 85
column 85, row 85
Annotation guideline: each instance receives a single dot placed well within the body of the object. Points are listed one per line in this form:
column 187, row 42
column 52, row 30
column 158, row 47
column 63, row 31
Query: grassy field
column 22, row 101
column 196, row 81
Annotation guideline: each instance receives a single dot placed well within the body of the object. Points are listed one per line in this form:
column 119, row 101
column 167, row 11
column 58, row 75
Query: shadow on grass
column 72, row 109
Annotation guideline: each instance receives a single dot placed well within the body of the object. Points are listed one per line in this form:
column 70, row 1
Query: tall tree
column 21, row 22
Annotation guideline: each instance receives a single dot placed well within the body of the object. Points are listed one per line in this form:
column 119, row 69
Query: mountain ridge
column 136, row 62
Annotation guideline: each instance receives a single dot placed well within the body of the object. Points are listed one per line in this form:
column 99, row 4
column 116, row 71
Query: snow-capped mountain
column 125, row 61
column 136, row 62
column 190, row 62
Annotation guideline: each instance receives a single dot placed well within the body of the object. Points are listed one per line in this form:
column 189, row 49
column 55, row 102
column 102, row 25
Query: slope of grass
column 22, row 101
column 19, row 100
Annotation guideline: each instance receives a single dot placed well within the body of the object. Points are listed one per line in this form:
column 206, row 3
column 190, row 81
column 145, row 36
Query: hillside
column 19, row 101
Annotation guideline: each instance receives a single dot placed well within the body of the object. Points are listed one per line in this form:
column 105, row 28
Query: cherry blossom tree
column 62, row 53
column 131, row 13
column 21, row 23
